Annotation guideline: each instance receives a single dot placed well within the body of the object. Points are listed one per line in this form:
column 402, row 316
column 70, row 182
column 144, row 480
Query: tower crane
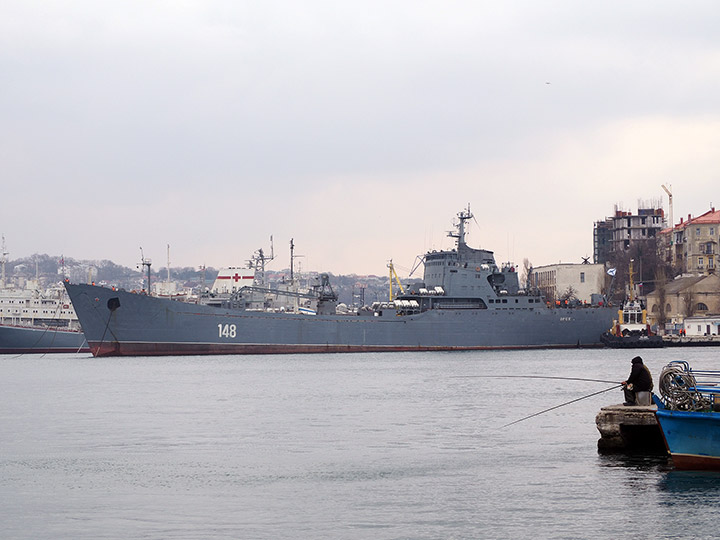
column 668, row 190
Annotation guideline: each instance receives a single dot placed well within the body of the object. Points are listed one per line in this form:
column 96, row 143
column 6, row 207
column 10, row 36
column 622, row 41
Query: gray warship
column 465, row 302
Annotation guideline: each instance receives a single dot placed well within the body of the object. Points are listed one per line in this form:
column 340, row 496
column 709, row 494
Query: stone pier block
column 629, row 429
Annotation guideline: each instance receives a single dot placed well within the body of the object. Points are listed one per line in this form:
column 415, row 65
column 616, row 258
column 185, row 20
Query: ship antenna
column 292, row 260
column 4, row 260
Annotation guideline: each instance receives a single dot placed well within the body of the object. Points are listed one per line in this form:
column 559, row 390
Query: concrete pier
column 629, row 429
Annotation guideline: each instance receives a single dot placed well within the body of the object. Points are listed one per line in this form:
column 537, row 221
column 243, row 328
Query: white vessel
column 33, row 319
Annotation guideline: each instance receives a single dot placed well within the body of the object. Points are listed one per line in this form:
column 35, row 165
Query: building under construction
column 619, row 232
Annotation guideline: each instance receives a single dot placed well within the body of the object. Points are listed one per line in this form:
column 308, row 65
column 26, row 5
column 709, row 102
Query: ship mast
column 258, row 263
column 459, row 236
column 145, row 263
column 292, row 258
column 4, row 260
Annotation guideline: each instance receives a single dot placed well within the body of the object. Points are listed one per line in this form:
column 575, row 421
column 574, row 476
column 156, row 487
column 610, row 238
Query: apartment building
column 692, row 244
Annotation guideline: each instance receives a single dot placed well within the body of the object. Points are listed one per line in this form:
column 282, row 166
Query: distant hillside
column 54, row 267
column 351, row 289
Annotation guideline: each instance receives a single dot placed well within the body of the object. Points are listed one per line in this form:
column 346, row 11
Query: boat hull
column 632, row 342
column 119, row 323
column 32, row 339
column 692, row 438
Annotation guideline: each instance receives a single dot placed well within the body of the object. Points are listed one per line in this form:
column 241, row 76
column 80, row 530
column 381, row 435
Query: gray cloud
column 144, row 110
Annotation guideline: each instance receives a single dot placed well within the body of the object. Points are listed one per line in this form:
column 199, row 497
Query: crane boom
column 394, row 275
column 668, row 190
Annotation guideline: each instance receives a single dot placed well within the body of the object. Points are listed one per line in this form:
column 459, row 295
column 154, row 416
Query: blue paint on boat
column 688, row 411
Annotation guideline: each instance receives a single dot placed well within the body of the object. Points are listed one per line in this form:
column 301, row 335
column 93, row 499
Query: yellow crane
column 394, row 275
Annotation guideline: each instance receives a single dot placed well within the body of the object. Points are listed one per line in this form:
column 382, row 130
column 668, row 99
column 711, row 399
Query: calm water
column 350, row 446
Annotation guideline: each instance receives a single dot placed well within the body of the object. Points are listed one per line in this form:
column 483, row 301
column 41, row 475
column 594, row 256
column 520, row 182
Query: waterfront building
column 579, row 281
column 686, row 296
column 691, row 246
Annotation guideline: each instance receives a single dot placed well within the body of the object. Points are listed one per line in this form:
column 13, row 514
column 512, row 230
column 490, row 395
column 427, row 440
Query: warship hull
column 120, row 323
column 35, row 339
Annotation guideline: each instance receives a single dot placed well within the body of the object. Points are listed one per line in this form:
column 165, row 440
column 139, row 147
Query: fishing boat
column 631, row 329
column 465, row 301
column 688, row 411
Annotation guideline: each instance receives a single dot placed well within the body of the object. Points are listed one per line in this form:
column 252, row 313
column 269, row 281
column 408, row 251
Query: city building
column 565, row 281
column 702, row 326
column 619, row 232
column 692, row 246
column 684, row 297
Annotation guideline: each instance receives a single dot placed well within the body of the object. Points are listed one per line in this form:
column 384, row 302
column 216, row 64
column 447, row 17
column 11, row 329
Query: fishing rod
column 563, row 404
column 530, row 377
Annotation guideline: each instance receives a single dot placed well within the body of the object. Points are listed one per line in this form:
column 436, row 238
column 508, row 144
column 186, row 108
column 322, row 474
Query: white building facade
column 580, row 281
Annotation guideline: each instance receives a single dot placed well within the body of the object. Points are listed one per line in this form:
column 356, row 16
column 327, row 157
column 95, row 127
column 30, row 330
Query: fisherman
column 639, row 384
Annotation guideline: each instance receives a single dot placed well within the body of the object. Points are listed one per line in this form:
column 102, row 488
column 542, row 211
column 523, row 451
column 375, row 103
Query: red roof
column 711, row 216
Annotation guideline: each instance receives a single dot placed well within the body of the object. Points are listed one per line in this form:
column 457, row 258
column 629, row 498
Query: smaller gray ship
column 465, row 302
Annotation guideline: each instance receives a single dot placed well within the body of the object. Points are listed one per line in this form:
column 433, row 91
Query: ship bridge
column 468, row 272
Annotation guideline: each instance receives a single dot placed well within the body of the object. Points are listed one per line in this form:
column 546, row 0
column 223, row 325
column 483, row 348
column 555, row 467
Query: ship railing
column 684, row 389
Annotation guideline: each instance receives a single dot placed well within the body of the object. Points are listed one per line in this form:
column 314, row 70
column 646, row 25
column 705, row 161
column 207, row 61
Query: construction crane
column 668, row 190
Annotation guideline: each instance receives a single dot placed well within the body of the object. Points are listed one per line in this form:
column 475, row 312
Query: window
column 712, row 231
column 697, row 231
column 700, row 262
column 701, row 307
column 582, row 277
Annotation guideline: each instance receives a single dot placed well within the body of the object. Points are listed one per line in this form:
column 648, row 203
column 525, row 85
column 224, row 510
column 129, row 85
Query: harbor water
column 353, row 446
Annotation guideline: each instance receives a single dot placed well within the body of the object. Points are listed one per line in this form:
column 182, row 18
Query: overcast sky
column 360, row 129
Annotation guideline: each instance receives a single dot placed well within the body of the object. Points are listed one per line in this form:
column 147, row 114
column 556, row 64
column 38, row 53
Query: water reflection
column 690, row 482
column 638, row 462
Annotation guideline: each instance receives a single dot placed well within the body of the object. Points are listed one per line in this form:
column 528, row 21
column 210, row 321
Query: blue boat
column 688, row 411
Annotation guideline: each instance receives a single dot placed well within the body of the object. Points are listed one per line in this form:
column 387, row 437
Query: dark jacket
column 640, row 376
